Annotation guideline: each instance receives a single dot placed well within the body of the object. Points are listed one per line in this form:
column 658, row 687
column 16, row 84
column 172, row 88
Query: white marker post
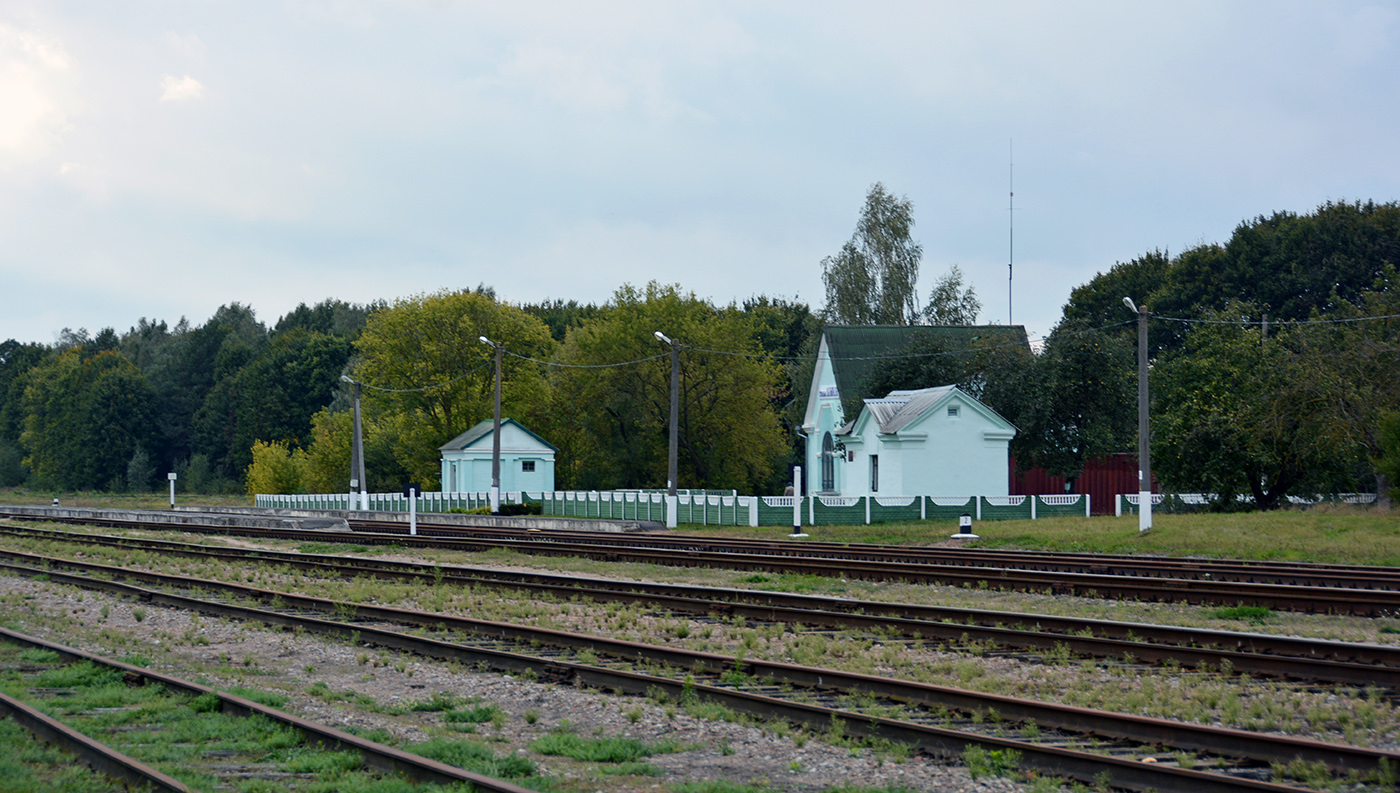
column 171, row 477
column 797, row 502
column 965, row 528
column 413, row 511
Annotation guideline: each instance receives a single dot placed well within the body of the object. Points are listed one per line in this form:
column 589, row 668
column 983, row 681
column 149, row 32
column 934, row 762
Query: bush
column 276, row 469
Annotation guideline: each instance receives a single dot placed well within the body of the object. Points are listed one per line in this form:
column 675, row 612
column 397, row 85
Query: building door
column 828, row 464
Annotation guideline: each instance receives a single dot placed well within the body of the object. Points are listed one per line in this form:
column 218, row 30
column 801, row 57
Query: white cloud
column 35, row 72
column 178, row 89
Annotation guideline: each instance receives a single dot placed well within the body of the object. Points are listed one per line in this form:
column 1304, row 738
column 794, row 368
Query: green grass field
column 86, row 498
column 1323, row 534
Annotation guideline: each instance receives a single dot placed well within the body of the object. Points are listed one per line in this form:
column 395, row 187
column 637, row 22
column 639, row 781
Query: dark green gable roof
column 856, row 349
column 483, row 430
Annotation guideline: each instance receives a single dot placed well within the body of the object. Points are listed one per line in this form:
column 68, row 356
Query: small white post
column 672, row 506
column 350, row 502
column 1144, row 510
column 797, row 501
column 413, row 512
column 171, row 477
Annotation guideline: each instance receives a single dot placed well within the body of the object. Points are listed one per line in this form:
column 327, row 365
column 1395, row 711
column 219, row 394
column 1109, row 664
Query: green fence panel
column 825, row 511
column 1006, row 508
column 894, row 509
column 1059, row 506
column 776, row 511
column 729, row 510
column 939, row 508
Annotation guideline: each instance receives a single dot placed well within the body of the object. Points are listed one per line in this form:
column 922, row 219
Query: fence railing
column 1127, row 503
column 708, row 509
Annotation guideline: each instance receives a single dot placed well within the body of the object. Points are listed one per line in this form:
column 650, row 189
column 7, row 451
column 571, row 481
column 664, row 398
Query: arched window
column 828, row 463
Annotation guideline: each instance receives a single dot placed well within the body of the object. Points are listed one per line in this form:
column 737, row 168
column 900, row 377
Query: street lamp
column 1144, row 436
column 357, row 454
column 671, row 501
column 496, row 432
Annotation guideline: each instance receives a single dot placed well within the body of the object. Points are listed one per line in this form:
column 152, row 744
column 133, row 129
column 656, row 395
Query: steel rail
column 92, row 753
column 1255, row 571
column 1248, row 653
column 1216, row 740
column 1336, row 600
column 377, row 755
column 1291, row 573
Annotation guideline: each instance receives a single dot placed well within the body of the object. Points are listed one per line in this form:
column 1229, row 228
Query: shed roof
column 483, row 430
column 856, row 349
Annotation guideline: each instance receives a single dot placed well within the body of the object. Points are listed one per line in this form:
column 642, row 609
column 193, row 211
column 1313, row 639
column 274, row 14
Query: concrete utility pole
column 496, row 432
column 672, row 502
column 1144, row 434
column 357, row 455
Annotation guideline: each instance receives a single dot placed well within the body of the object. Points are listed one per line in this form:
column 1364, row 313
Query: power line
column 1274, row 322
column 889, row 357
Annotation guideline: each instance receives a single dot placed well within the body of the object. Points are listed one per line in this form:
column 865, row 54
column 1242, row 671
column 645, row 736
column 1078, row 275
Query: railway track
column 1351, row 663
column 1333, row 590
column 72, row 698
column 755, row 688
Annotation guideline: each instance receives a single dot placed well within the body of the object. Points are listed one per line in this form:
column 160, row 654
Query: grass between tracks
column 1337, row 535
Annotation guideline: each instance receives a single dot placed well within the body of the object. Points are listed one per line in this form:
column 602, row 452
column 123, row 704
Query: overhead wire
column 889, row 357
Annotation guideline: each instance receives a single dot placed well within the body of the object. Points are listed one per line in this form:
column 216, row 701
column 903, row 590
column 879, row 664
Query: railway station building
column 527, row 460
column 934, row 441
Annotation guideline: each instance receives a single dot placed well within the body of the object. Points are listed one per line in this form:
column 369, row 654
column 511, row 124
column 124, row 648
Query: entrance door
column 828, row 464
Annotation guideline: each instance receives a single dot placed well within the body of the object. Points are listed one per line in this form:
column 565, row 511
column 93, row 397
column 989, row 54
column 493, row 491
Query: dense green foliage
column 117, row 411
column 1267, row 381
column 612, row 424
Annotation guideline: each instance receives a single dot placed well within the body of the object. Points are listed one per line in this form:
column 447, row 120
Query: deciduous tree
column 613, row 421
column 424, row 365
column 871, row 281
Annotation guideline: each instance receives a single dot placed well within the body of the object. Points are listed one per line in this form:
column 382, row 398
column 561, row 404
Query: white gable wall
column 823, row 416
column 936, row 455
column 469, row 469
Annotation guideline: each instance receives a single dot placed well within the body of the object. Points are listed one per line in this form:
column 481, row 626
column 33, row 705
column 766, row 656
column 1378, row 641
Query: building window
column 874, row 473
column 952, row 411
column 828, row 463
column 527, row 466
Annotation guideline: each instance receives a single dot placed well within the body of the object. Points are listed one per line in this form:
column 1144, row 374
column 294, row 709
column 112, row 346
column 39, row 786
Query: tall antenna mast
column 1011, row 224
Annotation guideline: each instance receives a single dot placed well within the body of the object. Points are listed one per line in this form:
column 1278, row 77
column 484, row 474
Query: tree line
column 1267, row 378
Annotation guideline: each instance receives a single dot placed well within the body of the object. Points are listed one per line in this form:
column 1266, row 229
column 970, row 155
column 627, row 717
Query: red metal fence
column 1103, row 478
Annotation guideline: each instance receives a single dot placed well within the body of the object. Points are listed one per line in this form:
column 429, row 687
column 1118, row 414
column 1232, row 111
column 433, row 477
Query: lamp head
column 486, row 341
column 1128, row 301
column 662, row 337
column 347, row 379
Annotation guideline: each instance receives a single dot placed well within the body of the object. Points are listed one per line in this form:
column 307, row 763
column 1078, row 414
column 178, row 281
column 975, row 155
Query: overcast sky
column 161, row 159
